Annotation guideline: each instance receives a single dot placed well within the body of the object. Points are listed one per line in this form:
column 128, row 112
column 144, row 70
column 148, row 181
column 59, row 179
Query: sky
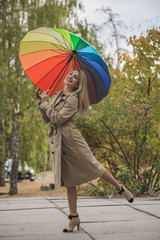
column 132, row 12
column 137, row 15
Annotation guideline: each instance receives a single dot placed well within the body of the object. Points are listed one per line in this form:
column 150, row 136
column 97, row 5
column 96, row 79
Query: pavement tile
column 39, row 231
column 139, row 200
column 15, row 217
column 153, row 209
column 69, row 236
column 87, row 203
column 111, row 219
column 104, row 235
column 119, row 227
column 7, row 204
column 110, row 213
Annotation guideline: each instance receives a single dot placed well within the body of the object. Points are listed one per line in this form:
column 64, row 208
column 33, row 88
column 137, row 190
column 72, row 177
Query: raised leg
column 107, row 177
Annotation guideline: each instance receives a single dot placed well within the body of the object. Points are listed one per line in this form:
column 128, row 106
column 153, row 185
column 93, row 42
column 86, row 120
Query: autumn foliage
column 123, row 130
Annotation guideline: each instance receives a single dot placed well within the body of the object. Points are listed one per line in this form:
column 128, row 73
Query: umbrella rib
column 94, row 69
column 89, row 74
column 71, row 41
column 77, row 43
column 52, row 37
column 60, row 43
column 87, row 56
column 82, row 48
column 45, row 60
column 66, row 41
column 61, row 71
column 57, row 51
column 89, row 53
column 82, row 65
column 92, row 66
column 57, row 77
column 95, row 62
column 50, row 43
column 51, row 70
column 87, row 71
column 60, row 49
column 93, row 59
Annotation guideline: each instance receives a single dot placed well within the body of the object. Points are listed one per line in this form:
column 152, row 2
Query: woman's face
column 72, row 79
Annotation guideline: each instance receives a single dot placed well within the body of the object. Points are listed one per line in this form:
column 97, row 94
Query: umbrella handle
column 37, row 93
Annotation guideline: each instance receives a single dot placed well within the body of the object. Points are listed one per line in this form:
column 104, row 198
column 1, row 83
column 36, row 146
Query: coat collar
column 66, row 94
column 63, row 96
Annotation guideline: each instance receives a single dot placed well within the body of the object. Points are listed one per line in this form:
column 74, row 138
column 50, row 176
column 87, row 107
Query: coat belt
column 53, row 127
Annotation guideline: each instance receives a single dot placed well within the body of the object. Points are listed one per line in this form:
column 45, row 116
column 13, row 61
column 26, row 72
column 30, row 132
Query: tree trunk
column 14, row 146
column 2, row 173
column 116, row 38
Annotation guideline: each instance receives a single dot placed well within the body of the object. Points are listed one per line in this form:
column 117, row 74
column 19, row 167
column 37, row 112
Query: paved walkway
column 101, row 219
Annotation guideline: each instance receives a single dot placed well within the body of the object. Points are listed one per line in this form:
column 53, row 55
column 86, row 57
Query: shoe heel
column 78, row 225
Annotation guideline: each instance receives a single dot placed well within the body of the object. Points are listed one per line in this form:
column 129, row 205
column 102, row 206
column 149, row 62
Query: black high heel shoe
column 73, row 221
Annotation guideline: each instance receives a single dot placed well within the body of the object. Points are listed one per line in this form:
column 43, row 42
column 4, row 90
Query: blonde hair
column 82, row 91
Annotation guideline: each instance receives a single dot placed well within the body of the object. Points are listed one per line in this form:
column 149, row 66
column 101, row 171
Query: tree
column 10, row 79
column 22, row 132
column 16, row 18
column 128, row 134
column 112, row 21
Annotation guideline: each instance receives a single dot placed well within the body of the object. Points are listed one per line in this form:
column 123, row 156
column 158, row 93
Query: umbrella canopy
column 49, row 54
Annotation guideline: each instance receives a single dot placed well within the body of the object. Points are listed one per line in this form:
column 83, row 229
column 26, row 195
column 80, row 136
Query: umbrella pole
column 38, row 90
column 62, row 70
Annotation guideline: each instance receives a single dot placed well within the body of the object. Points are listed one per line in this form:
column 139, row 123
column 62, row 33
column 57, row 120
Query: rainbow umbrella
column 49, row 54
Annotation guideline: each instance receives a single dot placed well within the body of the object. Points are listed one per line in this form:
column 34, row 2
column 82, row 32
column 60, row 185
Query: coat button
column 52, row 142
column 52, row 152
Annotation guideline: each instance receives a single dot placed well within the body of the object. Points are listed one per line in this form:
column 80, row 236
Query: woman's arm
column 43, row 98
column 67, row 111
column 44, row 116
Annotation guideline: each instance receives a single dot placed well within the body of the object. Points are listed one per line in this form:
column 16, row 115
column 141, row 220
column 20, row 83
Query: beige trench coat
column 73, row 161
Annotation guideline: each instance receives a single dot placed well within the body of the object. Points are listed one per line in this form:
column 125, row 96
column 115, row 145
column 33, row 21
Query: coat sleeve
column 67, row 111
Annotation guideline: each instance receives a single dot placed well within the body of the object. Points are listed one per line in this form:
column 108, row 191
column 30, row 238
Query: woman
column 73, row 161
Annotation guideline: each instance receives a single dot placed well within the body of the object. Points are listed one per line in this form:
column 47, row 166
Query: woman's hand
column 44, row 97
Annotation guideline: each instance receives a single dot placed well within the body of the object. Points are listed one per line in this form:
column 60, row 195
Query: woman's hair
column 82, row 92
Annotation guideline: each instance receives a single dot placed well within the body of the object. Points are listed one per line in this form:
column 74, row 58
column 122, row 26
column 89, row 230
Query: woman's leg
column 72, row 199
column 107, row 177
column 73, row 216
